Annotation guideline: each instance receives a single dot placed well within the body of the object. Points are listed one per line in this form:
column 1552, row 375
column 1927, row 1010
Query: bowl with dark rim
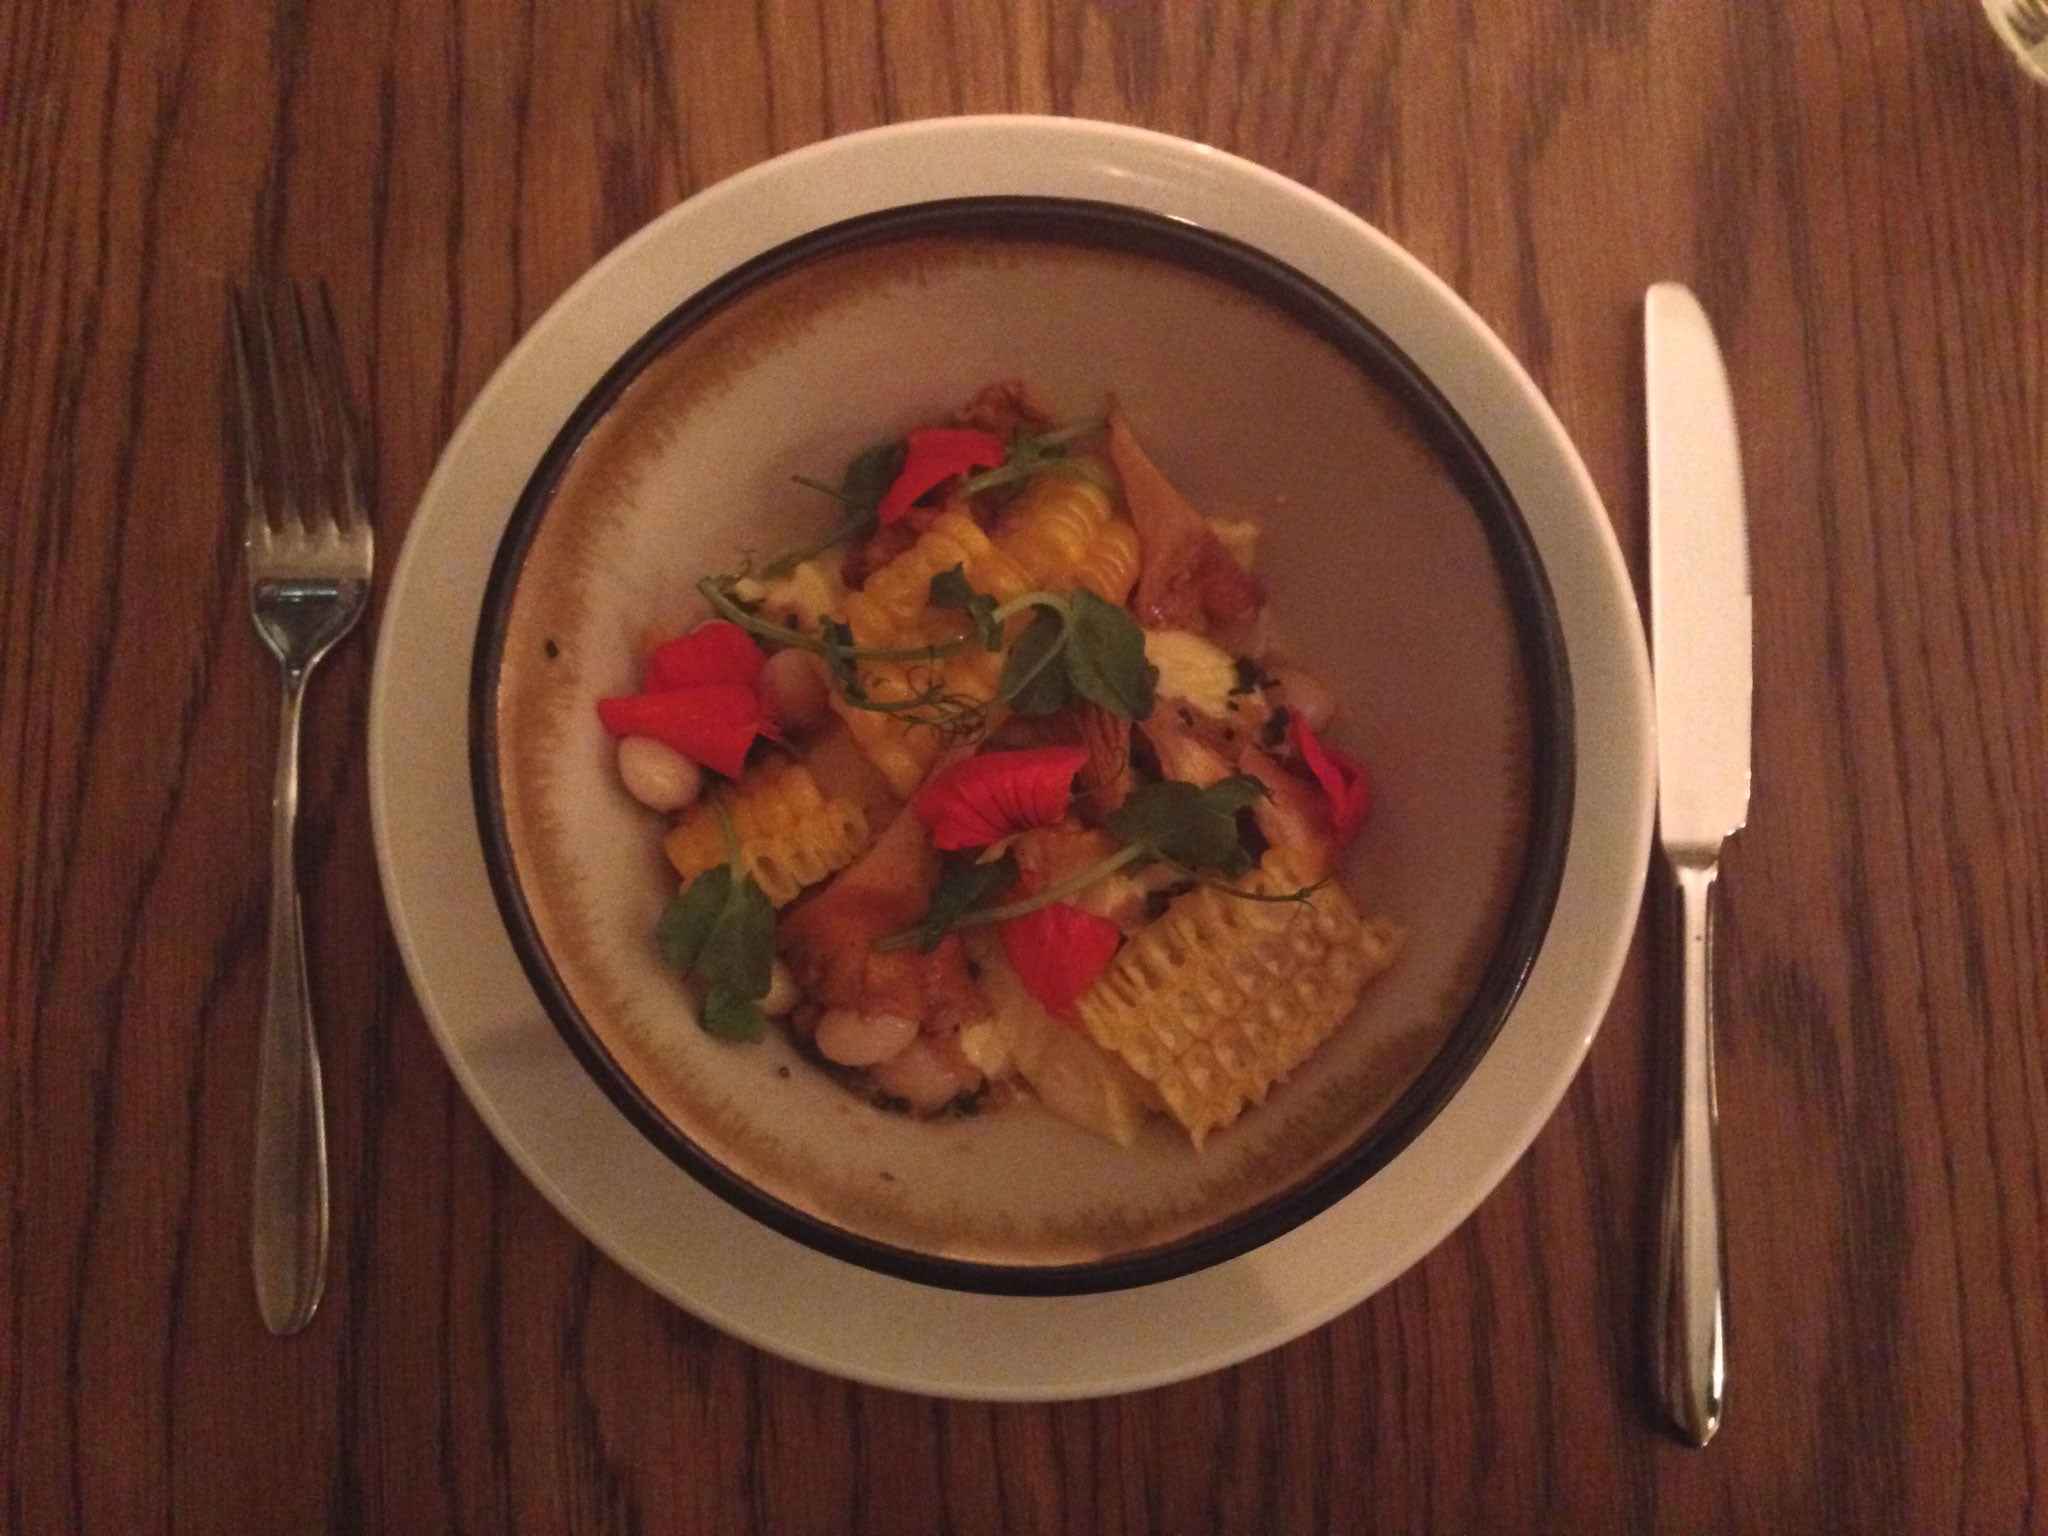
column 1401, row 568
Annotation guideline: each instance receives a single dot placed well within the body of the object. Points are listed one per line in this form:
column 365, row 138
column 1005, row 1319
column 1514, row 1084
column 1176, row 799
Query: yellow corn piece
column 1064, row 532
column 805, row 598
column 1222, row 998
column 894, row 607
column 790, row 834
column 892, row 611
column 1061, row 532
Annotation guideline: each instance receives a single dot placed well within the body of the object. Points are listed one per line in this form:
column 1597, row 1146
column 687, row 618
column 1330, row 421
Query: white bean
column 657, row 775
column 782, row 992
column 1307, row 696
column 862, row 1039
column 796, row 689
column 923, row 1078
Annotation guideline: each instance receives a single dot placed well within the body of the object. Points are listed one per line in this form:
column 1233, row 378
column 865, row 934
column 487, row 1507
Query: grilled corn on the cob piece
column 790, row 834
column 1061, row 532
column 893, row 608
column 893, row 611
column 1222, row 998
column 1064, row 532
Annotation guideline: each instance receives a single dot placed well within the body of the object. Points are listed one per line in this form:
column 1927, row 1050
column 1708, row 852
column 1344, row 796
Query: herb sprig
column 720, row 932
column 964, row 884
column 1033, row 453
column 1099, row 649
column 860, row 489
column 871, row 472
column 1188, row 828
column 1076, row 645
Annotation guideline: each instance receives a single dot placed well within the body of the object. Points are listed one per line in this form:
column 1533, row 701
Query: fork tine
column 287, row 431
column 316, row 397
column 291, row 392
column 256, row 520
column 334, row 373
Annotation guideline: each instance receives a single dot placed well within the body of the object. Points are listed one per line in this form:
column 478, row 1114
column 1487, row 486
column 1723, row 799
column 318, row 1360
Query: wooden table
column 1860, row 194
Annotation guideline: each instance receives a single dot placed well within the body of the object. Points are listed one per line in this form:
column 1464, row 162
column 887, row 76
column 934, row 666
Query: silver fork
column 306, row 535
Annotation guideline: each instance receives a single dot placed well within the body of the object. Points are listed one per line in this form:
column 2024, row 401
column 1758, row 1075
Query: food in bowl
column 1388, row 547
column 1008, row 783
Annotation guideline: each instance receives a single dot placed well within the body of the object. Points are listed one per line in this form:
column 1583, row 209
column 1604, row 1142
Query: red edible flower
column 713, row 724
column 1342, row 778
column 933, row 454
column 984, row 798
column 716, row 652
column 700, row 698
column 1057, row 952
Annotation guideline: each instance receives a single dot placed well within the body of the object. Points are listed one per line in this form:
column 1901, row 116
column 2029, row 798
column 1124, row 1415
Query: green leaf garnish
column 720, row 931
column 1034, row 681
column 1106, row 657
column 964, row 885
column 871, row 472
column 952, row 590
column 1186, row 825
column 687, row 921
column 741, row 947
column 730, row 1016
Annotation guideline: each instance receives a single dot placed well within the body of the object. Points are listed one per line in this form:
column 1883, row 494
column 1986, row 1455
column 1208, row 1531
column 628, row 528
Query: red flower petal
column 984, row 798
column 934, row 454
column 1057, row 952
column 716, row 652
column 1342, row 778
column 713, row 725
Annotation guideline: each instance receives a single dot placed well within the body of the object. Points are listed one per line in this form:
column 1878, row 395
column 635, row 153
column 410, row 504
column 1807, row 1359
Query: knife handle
column 1691, row 1297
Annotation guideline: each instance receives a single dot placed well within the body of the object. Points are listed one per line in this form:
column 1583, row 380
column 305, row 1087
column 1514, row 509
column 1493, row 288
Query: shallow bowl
column 1400, row 564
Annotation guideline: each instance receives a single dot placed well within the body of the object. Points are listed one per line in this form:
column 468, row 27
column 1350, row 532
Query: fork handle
column 1691, row 1297
column 288, row 1209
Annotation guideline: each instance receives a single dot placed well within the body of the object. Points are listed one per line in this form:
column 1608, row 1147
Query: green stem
column 932, row 695
column 1128, row 854
column 1024, row 469
column 723, row 604
column 1018, row 604
column 727, row 831
column 1086, row 427
column 830, row 490
column 1299, row 894
column 862, row 520
column 1028, row 455
column 864, row 511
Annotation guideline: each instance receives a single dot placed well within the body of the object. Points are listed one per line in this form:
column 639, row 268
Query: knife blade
column 1700, row 638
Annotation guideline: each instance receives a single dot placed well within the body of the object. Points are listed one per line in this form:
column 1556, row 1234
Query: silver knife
column 1700, row 639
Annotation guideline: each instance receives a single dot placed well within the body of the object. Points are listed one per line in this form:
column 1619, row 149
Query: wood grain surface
column 1859, row 191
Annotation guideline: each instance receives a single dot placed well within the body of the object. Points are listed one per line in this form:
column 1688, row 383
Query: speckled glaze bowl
column 1398, row 563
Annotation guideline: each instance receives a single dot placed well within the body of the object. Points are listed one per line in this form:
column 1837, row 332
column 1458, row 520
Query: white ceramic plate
column 646, row 1212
